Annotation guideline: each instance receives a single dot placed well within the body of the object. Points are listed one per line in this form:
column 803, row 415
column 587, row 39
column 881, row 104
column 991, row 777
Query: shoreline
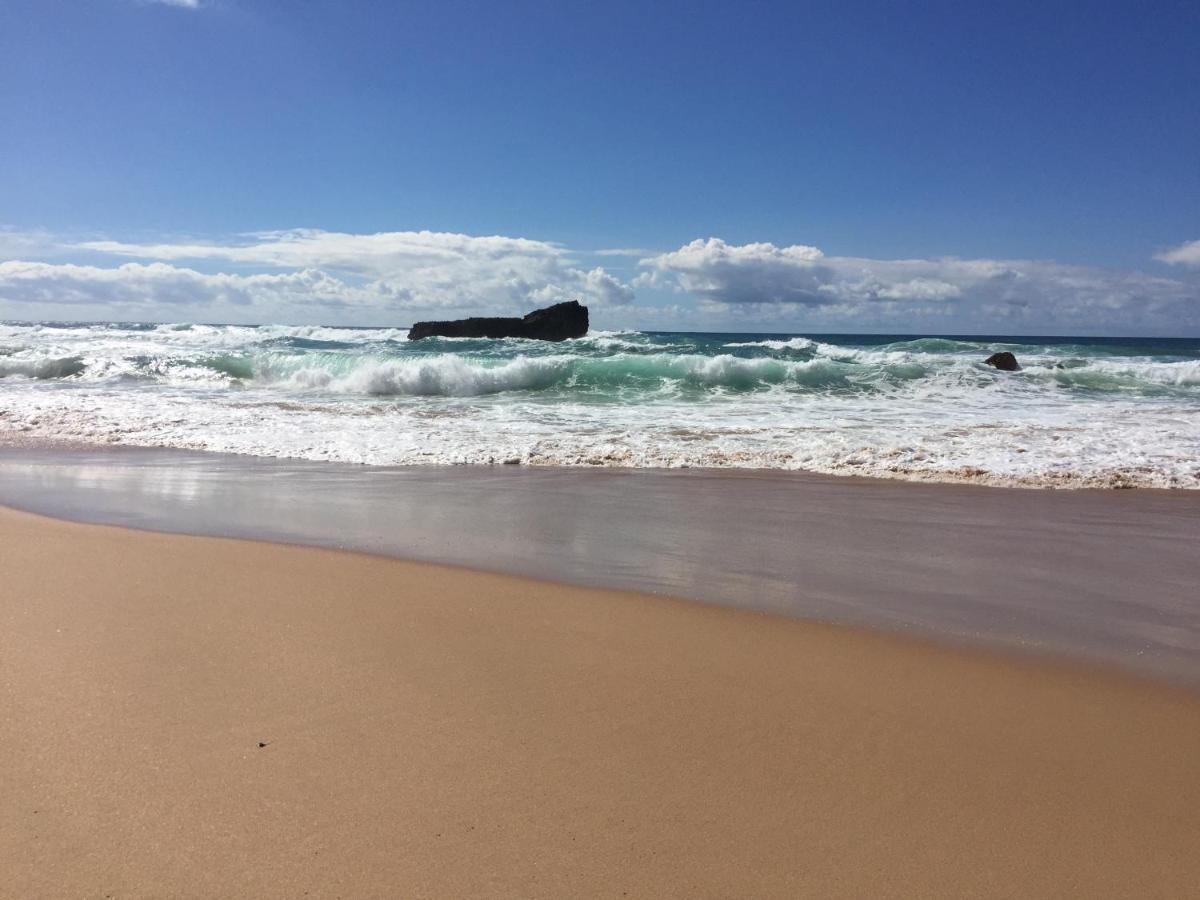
column 1100, row 577
column 204, row 716
column 1017, row 657
column 964, row 476
column 1090, row 412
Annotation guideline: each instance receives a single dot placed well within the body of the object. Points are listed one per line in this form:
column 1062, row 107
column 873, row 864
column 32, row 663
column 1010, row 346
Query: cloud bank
column 768, row 283
column 309, row 275
column 135, row 287
column 416, row 269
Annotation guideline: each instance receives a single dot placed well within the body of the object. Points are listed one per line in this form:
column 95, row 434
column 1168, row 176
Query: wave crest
column 43, row 369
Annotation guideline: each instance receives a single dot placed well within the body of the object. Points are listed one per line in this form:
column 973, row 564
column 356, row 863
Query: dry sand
column 436, row 732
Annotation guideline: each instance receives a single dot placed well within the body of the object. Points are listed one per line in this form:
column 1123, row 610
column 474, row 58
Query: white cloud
column 427, row 269
column 183, row 4
column 135, row 287
column 398, row 277
column 393, row 276
column 715, row 271
column 1186, row 254
column 770, row 283
column 379, row 254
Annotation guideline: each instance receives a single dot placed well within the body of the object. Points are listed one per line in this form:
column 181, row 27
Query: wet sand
column 437, row 732
column 1104, row 576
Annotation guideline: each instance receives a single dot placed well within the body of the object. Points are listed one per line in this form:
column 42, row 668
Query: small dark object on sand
column 262, row 744
column 1004, row 361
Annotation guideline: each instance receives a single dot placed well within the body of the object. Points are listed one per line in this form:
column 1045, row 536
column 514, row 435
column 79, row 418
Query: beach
column 476, row 451
column 1098, row 576
column 196, row 717
column 259, row 676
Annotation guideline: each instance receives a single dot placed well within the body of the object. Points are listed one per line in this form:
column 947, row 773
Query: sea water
column 1104, row 412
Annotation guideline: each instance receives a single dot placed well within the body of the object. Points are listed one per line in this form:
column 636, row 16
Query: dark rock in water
column 554, row 323
column 1004, row 361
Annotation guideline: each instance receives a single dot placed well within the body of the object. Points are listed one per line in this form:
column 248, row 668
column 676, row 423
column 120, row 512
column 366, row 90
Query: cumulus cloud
column 1186, row 254
column 770, row 282
column 417, row 269
column 715, row 271
column 396, row 277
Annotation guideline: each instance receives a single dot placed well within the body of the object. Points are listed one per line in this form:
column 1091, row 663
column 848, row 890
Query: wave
column 944, row 345
column 441, row 376
column 796, row 343
column 914, row 345
column 237, row 367
column 451, row 375
column 628, row 341
column 42, row 369
column 1134, row 445
column 332, row 334
column 619, row 375
column 1080, row 412
column 1182, row 373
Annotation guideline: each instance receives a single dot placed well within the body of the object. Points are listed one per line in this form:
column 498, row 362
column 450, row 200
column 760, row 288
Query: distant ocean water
column 1106, row 412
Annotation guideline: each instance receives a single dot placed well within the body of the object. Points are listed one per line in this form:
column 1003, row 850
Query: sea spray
column 1083, row 411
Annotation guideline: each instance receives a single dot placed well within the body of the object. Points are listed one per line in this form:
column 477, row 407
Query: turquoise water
column 1083, row 411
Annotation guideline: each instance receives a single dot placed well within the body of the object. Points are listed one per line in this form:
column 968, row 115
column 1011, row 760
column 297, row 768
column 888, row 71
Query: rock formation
column 1004, row 361
column 554, row 323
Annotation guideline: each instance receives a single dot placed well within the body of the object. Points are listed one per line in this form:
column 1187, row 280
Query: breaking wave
column 1080, row 412
column 43, row 369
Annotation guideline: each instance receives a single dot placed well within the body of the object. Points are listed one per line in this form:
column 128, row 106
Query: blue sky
column 943, row 167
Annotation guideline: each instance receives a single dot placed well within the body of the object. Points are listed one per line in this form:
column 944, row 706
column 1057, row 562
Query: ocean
column 1083, row 412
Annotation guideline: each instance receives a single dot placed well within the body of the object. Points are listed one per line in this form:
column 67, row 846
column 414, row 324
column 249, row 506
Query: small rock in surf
column 1004, row 361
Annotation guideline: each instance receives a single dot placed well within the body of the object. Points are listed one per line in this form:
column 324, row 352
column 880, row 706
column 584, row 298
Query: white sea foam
column 1076, row 415
column 438, row 376
column 797, row 343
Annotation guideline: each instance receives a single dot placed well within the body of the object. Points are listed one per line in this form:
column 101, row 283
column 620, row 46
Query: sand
column 1107, row 577
column 438, row 732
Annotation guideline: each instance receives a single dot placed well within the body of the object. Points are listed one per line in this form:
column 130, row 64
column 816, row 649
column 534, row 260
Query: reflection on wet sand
column 1103, row 575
